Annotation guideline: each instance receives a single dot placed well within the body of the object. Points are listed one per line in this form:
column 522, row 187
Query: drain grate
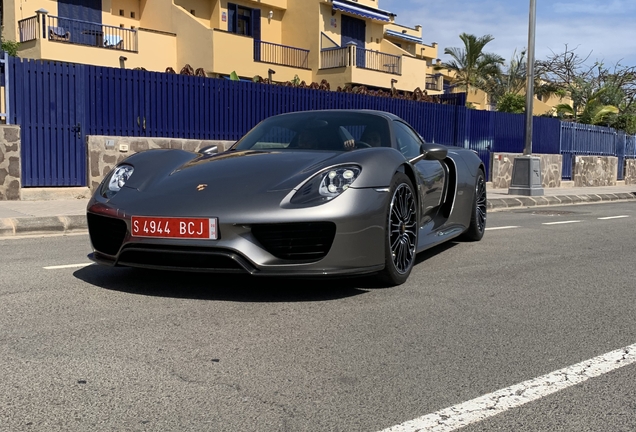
column 553, row 212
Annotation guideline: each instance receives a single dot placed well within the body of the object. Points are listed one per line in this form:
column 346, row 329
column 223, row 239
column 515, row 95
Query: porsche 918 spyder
column 315, row 193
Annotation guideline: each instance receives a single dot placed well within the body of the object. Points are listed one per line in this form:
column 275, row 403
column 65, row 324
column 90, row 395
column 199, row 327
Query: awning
column 404, row 36
column 363, row 11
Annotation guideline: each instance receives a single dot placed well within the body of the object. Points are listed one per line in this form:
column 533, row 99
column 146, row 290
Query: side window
column 408, row 142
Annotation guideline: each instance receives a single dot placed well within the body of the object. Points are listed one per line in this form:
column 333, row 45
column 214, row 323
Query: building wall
column 189, row 29
column 371, row 3
column 202, row 10
column 307, row 35
column 111, row 15
column 156, row 15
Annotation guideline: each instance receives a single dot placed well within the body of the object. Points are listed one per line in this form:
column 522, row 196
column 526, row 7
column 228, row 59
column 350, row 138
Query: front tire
column 401, row 231
column 477, row 225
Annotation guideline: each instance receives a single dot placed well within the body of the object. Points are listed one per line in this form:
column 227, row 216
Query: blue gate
column 47, row 101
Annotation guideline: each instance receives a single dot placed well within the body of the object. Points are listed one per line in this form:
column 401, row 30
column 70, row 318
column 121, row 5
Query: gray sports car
column 315, row 193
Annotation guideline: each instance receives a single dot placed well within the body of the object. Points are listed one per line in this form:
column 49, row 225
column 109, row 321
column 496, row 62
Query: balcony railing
column 268, row 52
column 334, row 58
column 361, row 58
column 78, row 32
column 28, row 29
column 434, row 82
column 378, row 61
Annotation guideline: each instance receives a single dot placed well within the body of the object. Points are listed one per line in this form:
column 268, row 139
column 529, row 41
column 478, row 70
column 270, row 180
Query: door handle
column 77, row 130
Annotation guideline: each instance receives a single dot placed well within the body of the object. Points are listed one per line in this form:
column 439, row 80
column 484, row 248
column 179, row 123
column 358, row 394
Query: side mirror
column 211, row 149
column 434, row 151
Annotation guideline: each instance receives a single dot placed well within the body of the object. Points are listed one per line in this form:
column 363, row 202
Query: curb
column 495, row 204
column 10, row 227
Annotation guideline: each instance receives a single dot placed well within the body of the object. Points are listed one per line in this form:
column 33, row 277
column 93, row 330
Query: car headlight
column 326, row 185
column 116, row 180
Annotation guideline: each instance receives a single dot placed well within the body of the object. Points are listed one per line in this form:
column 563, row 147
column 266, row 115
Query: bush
column 512, row 103
column 10, row 47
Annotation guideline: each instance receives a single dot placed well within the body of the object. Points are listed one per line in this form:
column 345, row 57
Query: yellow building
column 343, row 41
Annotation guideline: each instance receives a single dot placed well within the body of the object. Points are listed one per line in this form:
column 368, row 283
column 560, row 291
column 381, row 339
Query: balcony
column 248, row 57
column 434, row 82
column 353, row 56
column 342, row 66
column 267, row 52
column 76, row 32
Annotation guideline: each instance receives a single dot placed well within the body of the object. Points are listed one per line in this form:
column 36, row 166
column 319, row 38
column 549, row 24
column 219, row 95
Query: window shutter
column 256, row 24
column 231, row 18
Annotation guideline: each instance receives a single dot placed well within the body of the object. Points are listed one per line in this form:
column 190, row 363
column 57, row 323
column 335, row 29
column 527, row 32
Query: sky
column 603, row 29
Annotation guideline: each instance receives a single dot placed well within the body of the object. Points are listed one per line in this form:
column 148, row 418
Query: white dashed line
column 67, row 266
column 561, row 222
column 501, row 228
column 483, row 407
column 613, row 217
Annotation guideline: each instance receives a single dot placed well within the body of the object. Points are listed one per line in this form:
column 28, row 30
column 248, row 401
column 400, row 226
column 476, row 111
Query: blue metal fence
column 58, row 104
column 587, row 140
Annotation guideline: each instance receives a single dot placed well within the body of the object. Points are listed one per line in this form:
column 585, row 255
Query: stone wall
column 104, row 152
column 595, row 171
column 9, row 162
column 501, row 170
column 630, row 172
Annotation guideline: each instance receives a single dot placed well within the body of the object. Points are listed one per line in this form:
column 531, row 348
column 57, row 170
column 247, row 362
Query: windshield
column 318, row 130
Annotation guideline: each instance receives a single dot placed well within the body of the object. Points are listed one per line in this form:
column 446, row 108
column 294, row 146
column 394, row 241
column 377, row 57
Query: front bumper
column 358, row 245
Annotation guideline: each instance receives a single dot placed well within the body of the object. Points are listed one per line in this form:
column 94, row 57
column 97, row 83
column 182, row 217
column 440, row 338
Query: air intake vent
column 107, row 234
column 305, row 241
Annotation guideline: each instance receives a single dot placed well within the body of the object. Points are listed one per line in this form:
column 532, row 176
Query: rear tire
column 477, row 225
column 401, row 231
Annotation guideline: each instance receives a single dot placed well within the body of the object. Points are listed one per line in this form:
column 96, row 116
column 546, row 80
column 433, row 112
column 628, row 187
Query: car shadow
column 236, row 287
column 208, row 286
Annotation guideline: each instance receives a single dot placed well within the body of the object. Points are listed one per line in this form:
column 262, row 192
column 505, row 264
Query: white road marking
column 458, row 416
column 613, row 217
column 561, row 222
column 501, row 228
column 67, row 266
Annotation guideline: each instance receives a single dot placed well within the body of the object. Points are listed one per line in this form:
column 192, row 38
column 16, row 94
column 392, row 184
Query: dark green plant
column 10, row 47
column 625, row 122
column 512, row 103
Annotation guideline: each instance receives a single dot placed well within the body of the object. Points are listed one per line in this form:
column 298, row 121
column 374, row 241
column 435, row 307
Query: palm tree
column 472, row 66
column 591, row 110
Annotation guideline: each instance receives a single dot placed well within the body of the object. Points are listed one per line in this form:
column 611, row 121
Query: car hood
column 234, row 179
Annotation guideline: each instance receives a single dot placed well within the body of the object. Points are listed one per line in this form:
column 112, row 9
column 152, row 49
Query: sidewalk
column 69, row 215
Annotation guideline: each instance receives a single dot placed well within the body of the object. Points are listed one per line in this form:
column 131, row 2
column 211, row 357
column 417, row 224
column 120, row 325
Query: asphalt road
column 102, row 349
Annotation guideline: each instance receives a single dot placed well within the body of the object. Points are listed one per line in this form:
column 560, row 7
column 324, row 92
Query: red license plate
column 174, row 227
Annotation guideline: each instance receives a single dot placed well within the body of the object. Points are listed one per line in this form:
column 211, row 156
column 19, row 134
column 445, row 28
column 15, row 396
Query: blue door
column 84, row 20
column 355, row 30
column 52, row 131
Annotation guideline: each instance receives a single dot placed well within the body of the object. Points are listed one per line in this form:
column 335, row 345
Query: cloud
column 615, row 7
column 507, row 21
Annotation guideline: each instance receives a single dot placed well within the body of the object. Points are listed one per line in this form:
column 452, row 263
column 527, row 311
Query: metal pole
column 530, row 77
column 526, row 169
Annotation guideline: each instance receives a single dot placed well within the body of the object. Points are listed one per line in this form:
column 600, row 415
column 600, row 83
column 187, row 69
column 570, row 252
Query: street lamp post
column 526, row 169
